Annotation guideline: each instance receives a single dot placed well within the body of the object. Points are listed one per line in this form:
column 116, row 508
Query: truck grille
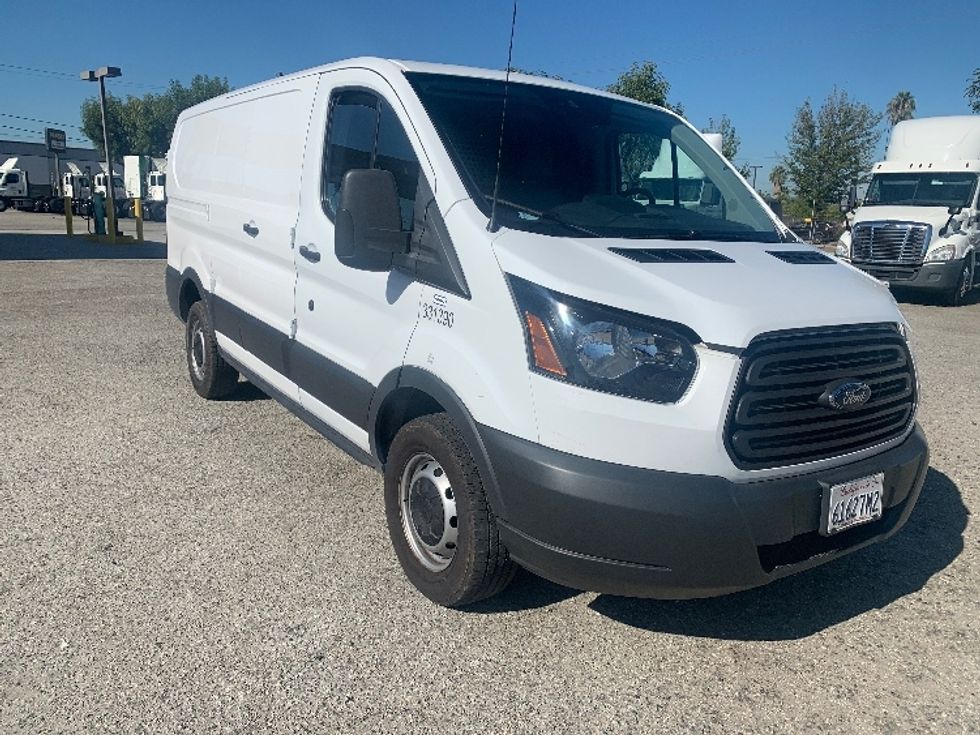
column 776, row 418
column 890, row 242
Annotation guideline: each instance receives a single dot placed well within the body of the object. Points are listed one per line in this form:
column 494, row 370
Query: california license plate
column 852, row 504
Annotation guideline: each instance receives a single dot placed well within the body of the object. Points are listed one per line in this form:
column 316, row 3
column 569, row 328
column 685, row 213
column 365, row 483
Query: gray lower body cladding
column 597, row 526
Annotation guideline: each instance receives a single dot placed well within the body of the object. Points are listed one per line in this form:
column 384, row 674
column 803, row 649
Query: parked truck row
column 28, row 183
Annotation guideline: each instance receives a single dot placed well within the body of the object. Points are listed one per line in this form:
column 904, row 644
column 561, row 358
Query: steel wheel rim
column 427, row 506
column 198, row 350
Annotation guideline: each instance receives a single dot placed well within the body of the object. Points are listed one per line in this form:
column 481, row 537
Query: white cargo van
column 919, row 224
column 549, row 368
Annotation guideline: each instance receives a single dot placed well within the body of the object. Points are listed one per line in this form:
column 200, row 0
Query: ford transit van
column 571, row 337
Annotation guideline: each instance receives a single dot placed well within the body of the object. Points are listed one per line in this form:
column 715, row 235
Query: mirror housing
column 368, row 215
column 851, row 202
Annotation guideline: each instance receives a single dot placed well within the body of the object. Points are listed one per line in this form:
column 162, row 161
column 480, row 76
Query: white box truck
column 919, row 224
column 636, row 398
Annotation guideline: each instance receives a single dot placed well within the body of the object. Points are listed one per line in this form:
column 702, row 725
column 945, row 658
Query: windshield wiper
column 546, row 216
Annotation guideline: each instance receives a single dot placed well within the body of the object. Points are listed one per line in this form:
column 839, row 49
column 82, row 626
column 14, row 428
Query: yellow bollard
column 69, row 222
column 110, row 218
column 138, row 212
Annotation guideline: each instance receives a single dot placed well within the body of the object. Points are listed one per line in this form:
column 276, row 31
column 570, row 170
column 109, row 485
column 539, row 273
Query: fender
column 428, row 383
column 175, row 281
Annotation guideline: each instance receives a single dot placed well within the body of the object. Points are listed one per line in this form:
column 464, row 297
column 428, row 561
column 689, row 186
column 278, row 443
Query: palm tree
column 901, row 107
column 777, row 177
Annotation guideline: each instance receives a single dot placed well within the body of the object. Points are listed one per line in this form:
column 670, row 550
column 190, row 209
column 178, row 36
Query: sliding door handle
column 309, row 253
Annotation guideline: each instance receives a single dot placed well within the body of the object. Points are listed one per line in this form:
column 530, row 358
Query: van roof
column 389, row 67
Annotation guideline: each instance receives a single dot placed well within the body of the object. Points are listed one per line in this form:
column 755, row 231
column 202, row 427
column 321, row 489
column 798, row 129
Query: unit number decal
column 438, row 312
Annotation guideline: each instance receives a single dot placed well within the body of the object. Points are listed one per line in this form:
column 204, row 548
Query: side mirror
column 368, row 215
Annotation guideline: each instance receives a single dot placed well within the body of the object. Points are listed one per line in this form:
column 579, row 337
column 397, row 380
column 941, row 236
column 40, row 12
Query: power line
column 65, row 76
column 45, row 122
column 37, row 132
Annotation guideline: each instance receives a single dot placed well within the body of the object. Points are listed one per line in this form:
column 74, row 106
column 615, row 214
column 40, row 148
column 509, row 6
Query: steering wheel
column 637, row 191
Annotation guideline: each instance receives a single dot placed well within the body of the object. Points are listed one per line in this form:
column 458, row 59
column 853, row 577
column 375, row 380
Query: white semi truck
column 146, row 179
column 919, row 224
column 26, row 183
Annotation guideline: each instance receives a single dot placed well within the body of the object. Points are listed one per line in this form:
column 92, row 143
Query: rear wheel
column 964, row 285
column 211, row 376
column 3, row 205
column 440, row 523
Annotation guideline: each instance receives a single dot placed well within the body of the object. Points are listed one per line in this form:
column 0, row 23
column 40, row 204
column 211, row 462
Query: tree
column 900, row 107
column 644, row 83
column 777, row 177
column 830, row 151
column 972, row 93
column 144, row 125
column 730, row 142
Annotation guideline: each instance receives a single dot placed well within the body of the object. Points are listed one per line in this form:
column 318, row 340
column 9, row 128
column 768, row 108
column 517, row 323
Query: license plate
column 852, row 504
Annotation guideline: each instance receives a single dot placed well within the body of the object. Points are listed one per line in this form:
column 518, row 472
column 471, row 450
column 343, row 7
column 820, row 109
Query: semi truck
column 26, row 183
column 146, row 179
column 918, row 226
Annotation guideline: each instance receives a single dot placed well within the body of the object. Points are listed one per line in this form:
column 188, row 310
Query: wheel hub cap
column 428, row 512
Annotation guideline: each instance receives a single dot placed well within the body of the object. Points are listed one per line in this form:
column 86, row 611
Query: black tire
column 211, row 376
column 3, row 205
column 964, row 284
column 480, row 566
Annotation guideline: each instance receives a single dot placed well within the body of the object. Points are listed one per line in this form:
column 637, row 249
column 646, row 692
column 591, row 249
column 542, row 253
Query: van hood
column 726, row 303
column 935, row 216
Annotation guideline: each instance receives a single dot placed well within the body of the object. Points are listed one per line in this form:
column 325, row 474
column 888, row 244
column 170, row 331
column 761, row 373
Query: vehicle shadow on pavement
column 526, row 592
column 799, row 606
column 44, row 246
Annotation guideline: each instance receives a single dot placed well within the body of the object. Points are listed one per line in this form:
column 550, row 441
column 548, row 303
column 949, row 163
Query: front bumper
column 621, row 530
column 940, row 276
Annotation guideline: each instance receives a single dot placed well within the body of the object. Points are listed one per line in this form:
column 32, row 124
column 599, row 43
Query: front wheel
column 211, row 376
column 964, row 284
column 443, row 530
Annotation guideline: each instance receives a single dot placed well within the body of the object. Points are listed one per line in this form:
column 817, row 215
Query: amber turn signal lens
column 542, row 350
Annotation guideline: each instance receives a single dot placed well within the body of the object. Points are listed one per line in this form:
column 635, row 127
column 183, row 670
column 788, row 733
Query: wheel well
column 402, row 406
column 188, row 295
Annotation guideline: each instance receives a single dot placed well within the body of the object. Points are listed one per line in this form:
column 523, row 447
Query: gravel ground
column 173, row 565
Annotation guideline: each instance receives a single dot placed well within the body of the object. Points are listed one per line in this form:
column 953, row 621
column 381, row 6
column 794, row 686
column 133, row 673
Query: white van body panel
column 482, row 356
column 237, row 166
column 756, row 293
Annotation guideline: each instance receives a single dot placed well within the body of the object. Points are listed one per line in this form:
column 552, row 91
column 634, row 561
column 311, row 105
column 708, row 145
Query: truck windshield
column 934, row 189
column 583, row 164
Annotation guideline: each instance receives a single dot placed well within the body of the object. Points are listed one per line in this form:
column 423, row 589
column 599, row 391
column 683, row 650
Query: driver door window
column 364, row 132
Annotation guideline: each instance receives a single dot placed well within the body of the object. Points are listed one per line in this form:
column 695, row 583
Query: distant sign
column 55, row 139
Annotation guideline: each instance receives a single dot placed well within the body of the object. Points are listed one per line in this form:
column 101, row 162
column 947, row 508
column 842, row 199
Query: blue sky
column 754, row 61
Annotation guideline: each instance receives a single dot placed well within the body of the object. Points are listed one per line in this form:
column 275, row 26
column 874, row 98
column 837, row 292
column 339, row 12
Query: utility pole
column 100, row 75
column 755, row 171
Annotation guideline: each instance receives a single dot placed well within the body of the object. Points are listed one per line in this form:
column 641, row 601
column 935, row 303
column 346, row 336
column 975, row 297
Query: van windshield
column 934, row 189
column 578, row 163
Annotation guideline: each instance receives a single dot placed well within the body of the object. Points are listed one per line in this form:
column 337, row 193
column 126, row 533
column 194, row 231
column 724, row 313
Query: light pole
column 100, row 76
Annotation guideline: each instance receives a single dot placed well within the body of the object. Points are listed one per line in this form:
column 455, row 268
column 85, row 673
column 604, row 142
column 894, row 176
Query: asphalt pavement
column 169, row 564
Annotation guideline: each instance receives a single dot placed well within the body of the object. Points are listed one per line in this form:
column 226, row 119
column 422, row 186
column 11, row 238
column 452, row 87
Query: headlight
column 603, row 348
column 843, row 250
column 941, row 254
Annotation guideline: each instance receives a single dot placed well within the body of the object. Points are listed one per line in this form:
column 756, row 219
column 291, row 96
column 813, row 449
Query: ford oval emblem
column 842, row 396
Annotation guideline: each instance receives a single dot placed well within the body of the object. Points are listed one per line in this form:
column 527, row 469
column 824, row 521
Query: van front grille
column 890, row 242
column 777, row 415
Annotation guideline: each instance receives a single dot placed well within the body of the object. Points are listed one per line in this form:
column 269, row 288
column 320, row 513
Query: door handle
column 309, row 253
column 250, row 229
